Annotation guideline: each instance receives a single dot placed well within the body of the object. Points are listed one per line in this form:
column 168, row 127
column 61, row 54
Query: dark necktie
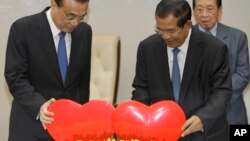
column 62, row 56
column 208, row 32
column 176, row 79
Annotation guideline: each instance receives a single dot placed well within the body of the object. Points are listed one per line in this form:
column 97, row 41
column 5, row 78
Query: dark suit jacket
column 206, row 82
column 33, row 75
column 237, row 45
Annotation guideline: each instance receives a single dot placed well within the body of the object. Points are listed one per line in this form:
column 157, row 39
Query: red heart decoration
column 72, row 121
column 161, row 121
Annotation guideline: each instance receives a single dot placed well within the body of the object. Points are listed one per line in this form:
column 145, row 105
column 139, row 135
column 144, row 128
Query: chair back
column 105, row 58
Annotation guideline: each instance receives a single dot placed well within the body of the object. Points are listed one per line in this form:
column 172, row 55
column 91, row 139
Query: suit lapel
column 47, row 42
column 76, row 53
column 162, row 62
column 221, row 33
column 192, row 58
column 74, row 57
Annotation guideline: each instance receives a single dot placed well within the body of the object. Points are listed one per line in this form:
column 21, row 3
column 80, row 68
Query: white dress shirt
column 213, row 30
column 181, row 56
column 55, row 32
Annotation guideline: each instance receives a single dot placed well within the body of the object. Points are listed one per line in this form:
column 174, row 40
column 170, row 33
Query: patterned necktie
column 176, row 80
column 62, row 56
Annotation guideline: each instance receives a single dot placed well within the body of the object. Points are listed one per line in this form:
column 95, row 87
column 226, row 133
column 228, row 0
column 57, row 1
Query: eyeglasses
column 71, row 18
column 171, row 33
column 201, row 10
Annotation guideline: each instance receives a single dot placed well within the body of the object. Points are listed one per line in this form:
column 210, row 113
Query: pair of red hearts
column 98, row 120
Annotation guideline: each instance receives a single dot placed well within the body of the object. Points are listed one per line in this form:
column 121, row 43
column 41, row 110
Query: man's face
column 207, row 13
column 69, row 15
column 173, row 35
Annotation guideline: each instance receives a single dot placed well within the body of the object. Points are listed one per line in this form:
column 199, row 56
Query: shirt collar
column 55, row 31
column 184, row 47
column 213, row 30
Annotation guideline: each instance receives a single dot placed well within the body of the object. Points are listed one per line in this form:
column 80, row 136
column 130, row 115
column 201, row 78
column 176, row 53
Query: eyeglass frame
column 165, row 32
column 71, row 18
column 209, row 10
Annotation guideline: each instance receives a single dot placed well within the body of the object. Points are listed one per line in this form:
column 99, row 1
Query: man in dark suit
column 33, row 72
column 202, row 63
column 207, row 14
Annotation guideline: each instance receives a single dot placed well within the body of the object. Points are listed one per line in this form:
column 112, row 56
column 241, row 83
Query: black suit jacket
column 205, row 87
column 33, row 75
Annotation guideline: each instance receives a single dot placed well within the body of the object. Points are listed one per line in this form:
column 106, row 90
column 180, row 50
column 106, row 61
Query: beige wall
column 132, row 20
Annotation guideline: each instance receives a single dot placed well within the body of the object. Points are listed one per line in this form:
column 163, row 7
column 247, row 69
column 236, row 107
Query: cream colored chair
column 104, row 67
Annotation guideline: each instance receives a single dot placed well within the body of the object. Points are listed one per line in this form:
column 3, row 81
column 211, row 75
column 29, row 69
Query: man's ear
column 220, row 13
column 189, row 24
column 53, row 3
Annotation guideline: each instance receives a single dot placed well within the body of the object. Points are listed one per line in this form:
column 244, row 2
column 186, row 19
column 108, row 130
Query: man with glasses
column 207, row 14
column 47, row 58
column 183, row 64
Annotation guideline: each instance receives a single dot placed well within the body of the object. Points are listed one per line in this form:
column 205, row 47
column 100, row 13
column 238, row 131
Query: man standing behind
column 47, row 58
column 207, row 14
column 183, row 64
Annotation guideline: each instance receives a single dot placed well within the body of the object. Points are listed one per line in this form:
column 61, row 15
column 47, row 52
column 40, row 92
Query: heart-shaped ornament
column 73, row 122
column 161, row 121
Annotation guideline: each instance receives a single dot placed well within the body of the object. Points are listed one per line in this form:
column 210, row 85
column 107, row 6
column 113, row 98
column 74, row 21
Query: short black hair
column 218, row 3
column 59, row 2
column 178, row 8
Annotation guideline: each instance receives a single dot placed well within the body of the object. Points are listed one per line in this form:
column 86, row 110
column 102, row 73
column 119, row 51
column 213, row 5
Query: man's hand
column 44, row 114
column 193, row 124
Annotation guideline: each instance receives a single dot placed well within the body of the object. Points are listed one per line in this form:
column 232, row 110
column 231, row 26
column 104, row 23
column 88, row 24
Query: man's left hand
column 193, row 124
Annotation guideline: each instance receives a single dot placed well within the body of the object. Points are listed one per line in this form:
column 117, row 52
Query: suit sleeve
column 240, row 76
column 16, row 72
column 140, row 82
column 220, row 89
